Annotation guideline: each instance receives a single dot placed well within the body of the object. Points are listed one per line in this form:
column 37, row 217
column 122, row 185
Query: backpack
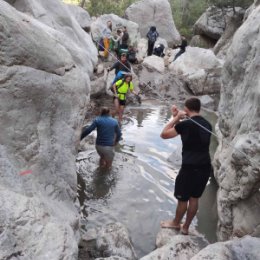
column 152, row 36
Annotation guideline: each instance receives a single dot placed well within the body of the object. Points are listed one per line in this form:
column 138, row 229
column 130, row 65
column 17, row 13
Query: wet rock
column 147, row 13
column 41, row 116
column 237, row 158
column 178, row 247
column 99, row 24
column 113, row 240
column 200, row 69
column 245, row 248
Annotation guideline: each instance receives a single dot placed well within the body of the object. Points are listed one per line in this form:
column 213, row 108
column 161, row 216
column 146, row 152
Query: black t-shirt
column 118, row 66
column 195, row 141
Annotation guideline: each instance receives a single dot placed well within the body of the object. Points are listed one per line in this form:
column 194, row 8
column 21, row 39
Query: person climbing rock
column 121, row 88
column 196, row 164
column 106, row 35
column 108, row 135
column 120, row 66
column 182, row 47
column 152, row 36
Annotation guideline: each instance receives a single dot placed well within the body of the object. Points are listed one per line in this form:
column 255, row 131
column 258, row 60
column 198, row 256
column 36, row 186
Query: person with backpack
column 120, row 89
column 120, row 66
column 106, row 35
column 108, row 135
column 152, row 36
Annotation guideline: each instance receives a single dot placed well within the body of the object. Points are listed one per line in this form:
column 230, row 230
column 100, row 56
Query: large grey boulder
column 179, row 247
column 44, row 84
column 99, row 23
column 147, row 13
column 237, row 158
column 200, row 69
column 212, row 23
column 166, row 85
column 245, row 248
column 81, row 15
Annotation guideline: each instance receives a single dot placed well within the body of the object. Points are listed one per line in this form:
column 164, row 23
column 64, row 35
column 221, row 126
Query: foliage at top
column 185, row 12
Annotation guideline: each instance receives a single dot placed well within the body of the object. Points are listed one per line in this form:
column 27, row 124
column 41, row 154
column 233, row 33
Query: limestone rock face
column 98, row 24
column 238, row 155
column 81, row 15
column 200, row 69
column 245, row 248
column 202, row 42
column 154, row 63
column 147, row 13
column 45, row 60
column 212, row 23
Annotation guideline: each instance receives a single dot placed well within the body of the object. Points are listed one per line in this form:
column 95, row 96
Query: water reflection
column 139, row 190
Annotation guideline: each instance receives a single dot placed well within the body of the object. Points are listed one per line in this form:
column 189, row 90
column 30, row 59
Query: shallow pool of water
column 138, row 191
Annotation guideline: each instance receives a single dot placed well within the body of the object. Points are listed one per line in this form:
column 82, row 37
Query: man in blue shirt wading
column 108, row 135
column 196, row 166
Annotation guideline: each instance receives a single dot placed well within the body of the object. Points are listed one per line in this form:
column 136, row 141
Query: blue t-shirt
column 108, row 131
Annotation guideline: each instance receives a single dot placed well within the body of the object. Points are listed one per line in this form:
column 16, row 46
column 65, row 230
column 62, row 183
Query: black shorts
column 121, row 102
column 191, row 182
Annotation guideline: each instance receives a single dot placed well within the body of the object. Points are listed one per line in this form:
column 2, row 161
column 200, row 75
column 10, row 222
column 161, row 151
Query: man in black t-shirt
column 196, row 166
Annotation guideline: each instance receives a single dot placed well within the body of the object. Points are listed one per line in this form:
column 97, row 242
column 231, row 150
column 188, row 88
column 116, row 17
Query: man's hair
column 193, row 104
column 123, row 54
column 104, row 111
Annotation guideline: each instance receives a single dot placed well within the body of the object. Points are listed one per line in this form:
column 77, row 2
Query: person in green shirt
column 120, row 89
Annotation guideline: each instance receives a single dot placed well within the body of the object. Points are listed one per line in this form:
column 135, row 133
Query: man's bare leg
column 102, row 162
column 108, row 164
column 180, row 212
column 116, row 103
column 191, row 212
column 120, row 113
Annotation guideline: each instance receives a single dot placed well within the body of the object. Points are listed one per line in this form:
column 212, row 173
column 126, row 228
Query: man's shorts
column 191, row 181
column 106, row 152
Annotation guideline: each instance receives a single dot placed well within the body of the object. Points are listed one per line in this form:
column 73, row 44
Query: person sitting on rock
column 131, row 55
column 121, row 88
column 108, row 135
column 120, row 66
column 182, row 47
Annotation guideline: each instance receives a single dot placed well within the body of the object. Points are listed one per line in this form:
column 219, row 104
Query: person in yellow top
column 120, row 89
